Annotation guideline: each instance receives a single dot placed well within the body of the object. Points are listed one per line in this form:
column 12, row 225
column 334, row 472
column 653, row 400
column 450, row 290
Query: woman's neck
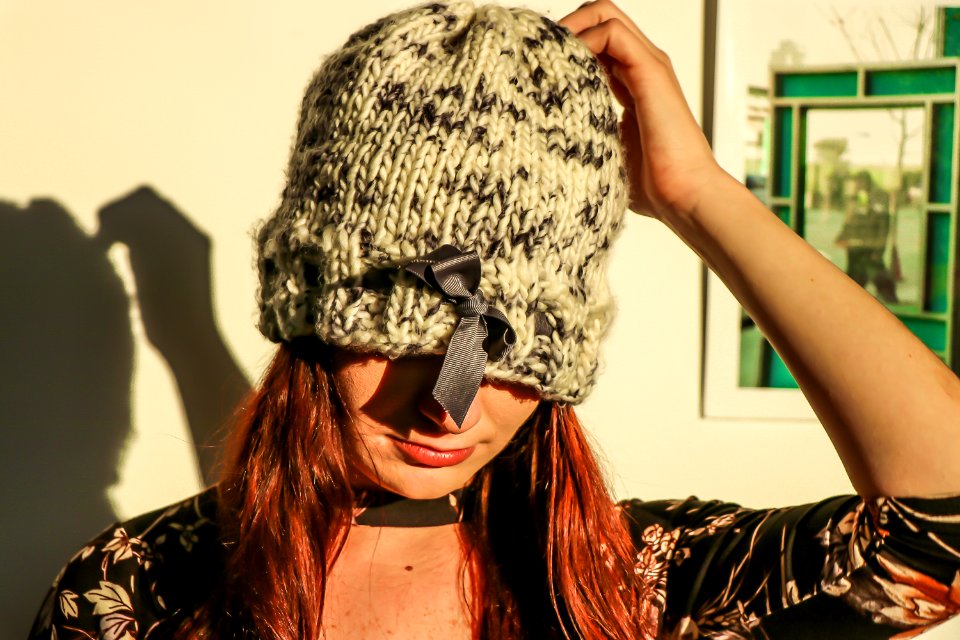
column 399, row 551
column 381, row 508
column 393, row 533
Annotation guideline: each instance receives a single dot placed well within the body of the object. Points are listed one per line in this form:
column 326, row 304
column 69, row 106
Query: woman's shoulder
column 174, row 527
column 136, row 572
column 190, row 510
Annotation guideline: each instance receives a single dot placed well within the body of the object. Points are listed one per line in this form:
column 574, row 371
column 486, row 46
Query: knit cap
column 485, row 127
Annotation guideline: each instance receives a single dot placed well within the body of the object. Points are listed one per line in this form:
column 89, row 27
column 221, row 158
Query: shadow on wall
column 66, row 352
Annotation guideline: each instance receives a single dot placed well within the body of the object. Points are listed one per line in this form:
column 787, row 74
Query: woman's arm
column 890, row 406
column 823, row 570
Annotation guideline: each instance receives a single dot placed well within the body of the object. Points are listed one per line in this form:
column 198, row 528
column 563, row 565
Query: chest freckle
column 408, row 568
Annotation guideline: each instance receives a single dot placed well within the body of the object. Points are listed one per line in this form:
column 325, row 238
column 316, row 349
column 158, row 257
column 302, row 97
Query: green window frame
column 930, row 85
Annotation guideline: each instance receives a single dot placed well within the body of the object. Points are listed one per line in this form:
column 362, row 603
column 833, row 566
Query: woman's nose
column 438, row 416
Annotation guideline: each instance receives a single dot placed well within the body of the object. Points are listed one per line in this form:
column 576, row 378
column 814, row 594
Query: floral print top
column 839, row 568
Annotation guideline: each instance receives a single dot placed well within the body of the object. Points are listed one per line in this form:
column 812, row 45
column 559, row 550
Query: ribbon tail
column 462, row 369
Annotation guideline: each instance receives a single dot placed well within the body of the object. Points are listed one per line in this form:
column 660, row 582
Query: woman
column 411, row 463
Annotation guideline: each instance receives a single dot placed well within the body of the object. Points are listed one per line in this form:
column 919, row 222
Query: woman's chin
column 423, row 483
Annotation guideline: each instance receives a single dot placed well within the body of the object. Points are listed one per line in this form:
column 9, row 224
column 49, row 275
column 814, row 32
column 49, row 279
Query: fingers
column 620, row 91
column 593, row 13
column 642, row 76
column 626, row 58
column 624, row 50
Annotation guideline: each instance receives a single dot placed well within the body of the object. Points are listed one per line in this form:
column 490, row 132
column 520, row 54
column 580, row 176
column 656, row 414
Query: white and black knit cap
column 488, row 128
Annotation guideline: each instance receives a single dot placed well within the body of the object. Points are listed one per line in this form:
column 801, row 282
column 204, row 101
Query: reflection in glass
column 863, row 196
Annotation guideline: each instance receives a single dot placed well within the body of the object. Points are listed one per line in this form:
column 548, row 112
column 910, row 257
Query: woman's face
column 405, row 441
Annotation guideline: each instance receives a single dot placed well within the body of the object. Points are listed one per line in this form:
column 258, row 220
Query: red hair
column 545, row 546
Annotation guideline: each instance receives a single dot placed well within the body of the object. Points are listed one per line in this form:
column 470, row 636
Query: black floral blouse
column 839, row 568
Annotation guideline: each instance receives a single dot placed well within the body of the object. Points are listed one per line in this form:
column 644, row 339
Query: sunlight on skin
column 389, row 401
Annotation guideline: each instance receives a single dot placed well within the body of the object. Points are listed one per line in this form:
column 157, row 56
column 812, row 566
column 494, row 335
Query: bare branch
column 929, row 51
column 921, row 26
column 886, row 32
column 841, row 24
column 899, row 116
column 877, row 47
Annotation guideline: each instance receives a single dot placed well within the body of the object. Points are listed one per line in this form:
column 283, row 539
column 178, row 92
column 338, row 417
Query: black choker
column 386, row 509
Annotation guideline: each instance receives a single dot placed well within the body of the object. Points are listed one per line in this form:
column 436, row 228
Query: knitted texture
column 486, row 127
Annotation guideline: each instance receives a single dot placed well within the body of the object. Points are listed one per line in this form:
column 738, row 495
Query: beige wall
column 199, row 101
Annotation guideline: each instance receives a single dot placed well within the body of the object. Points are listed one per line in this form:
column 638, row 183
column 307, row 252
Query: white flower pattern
column 706, row 569
column 68, row 603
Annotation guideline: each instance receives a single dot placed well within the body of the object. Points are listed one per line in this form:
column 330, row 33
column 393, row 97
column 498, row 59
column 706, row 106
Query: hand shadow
column 170, row 259
column 67, row 357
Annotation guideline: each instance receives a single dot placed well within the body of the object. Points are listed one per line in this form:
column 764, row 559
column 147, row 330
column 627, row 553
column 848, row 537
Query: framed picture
column 842, row 118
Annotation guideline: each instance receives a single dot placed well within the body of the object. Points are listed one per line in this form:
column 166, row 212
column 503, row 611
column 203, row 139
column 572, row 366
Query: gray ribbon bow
column 483, row 331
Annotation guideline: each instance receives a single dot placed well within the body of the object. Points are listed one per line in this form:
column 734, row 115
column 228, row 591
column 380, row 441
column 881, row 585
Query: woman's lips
column 431, row 457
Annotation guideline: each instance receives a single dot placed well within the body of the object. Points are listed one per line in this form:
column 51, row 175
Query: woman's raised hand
column 889, row 404
column 669, row 162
